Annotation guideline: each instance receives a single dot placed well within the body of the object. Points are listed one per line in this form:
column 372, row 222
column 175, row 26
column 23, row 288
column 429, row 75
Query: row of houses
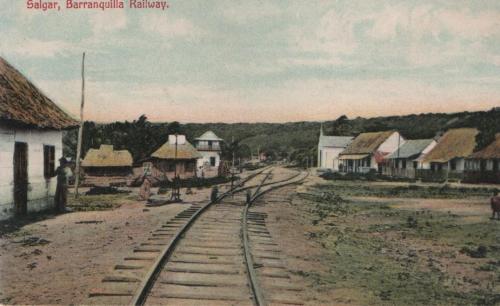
column 450, row 156
column 177, row 156
column 31, row 132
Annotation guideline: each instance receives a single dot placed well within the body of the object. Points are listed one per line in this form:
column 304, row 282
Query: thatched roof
column 411, row 148
column 455, row 143
column 209, row 135
column 105, row 156
column 22, row 103
column 184, row 151
column 492, row 151
column 367, row 143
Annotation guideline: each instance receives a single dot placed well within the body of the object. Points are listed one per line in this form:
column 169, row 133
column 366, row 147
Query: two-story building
column 209, row 146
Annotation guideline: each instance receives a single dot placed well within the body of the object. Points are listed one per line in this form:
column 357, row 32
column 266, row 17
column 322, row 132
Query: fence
column 492, row 177
column 427, row 175
column 394, row 172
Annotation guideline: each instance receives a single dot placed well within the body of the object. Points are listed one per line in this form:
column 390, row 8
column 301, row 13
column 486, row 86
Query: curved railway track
column 207, row 254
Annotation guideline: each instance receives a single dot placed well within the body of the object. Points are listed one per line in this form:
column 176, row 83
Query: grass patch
column 384, row 255
column 367, row 189
column 99, row 202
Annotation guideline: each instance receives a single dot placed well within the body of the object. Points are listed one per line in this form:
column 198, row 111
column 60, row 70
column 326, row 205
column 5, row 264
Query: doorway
column 21, row 178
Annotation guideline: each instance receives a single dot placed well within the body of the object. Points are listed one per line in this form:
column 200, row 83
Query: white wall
column 40, row 190
column 391, row 144
column 329, row 157
column 203, row 164
column 206, row 158
column 422, row 165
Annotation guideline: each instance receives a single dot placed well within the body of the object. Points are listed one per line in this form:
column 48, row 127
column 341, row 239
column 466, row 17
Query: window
column 212, row 161
column 171, row 167
column 190, row 166
column 403, row 163
column 146, row 168
column 49, row 165
column 453, row 164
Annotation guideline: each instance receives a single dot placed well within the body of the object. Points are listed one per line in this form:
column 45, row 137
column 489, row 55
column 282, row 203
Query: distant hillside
column 295, row 140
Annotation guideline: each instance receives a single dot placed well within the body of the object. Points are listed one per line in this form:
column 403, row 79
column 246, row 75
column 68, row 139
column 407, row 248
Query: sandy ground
column 71, row 253
column 291, row 231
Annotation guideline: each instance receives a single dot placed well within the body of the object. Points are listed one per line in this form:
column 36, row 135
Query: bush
column 373, row 175
column 105, row 190
column 480, row 252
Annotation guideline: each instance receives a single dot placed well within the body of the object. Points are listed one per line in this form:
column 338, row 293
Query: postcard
column 249, row 152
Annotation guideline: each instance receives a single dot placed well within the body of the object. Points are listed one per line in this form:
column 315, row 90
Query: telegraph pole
column 80, row 131
column 176, row 194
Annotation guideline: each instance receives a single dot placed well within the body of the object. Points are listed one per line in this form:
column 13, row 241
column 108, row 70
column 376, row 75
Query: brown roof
column 105, row 156
column 492, row 151
column 184, row 151
column 21, row 102
column 367, row 143
column 454, row 143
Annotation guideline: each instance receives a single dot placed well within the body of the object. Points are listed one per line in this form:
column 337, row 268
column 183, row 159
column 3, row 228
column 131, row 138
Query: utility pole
column 234, row 148
column 176, row 194
column 80, row 131
column 232, row 167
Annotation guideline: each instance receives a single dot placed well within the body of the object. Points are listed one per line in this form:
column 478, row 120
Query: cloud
column 108, row 21
column 244, row 12
column 422, row 34
column 35, row 48
column 170, row 27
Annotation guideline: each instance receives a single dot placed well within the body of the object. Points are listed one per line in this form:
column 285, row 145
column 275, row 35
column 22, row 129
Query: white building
column 408, row 158
column 210, row 147
column 329, row 148
column 368, row 151
column 30, row 144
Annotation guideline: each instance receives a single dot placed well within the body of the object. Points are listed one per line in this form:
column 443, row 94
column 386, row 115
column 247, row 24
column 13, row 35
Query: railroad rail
column 196, row 254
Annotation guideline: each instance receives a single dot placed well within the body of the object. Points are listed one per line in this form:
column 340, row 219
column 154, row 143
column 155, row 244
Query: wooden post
column 233, row 150
column 80, row 131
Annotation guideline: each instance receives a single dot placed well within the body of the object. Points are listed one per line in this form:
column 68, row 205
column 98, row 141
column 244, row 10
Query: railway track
column 206, row 255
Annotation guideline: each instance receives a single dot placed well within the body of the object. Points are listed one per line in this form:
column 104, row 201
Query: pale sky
column 246, row 61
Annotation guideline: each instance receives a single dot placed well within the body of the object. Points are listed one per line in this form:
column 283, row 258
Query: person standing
column 495, row 205
column 61, row 196
column 145, row 191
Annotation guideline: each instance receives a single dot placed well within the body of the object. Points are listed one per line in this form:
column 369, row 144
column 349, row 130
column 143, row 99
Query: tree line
column 295, row 141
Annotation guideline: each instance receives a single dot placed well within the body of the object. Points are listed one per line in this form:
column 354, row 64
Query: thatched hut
column 107, row 162
column 368, row 151
column 176, row 157
column 484, row 165
column 447, row 159
column 31, row 127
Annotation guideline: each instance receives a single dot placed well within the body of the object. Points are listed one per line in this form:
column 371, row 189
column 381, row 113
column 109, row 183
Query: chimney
column 181, row 139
